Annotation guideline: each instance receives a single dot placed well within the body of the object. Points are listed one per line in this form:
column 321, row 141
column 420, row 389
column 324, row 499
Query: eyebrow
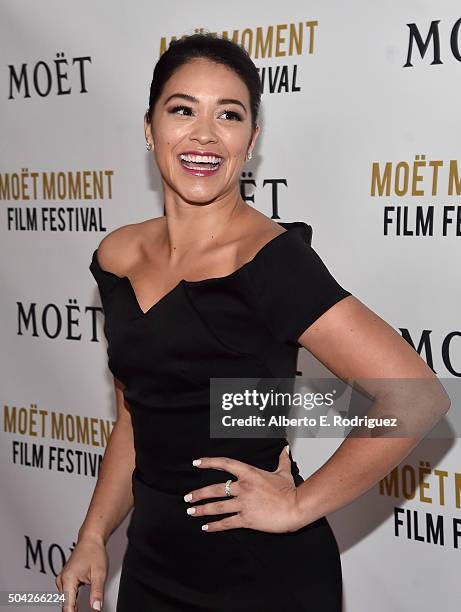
column 190, row 98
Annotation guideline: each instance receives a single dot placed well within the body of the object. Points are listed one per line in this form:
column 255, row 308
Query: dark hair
column 215, row 49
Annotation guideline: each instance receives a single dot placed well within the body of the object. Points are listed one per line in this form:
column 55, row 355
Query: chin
column 198, row 198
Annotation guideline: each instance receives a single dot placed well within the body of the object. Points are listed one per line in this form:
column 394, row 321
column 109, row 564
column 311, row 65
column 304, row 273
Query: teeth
column 209, row 159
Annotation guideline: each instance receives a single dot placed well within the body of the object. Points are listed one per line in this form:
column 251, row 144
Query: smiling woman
column 220, row 524
column 206, row 135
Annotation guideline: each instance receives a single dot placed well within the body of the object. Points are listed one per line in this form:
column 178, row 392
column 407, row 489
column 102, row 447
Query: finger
column 214, row 490
column 233, row 466
column 230, row 522
column 58, row 582
column 97, row 589
column 221, row 507
column 70, row 587
column 284, row 459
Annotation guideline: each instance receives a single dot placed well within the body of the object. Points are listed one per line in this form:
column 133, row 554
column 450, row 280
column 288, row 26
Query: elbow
column 441, row 400
column 441, row 403
column 446, row 404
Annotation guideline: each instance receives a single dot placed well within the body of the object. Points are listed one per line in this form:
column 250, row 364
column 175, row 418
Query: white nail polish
column 204, row 527
column 97, row 605
column 196, row 462
column 287, row 448
column 188, row 497
column 190, row 510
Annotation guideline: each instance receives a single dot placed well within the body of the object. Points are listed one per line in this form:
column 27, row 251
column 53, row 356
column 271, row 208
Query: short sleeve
column 292, row 284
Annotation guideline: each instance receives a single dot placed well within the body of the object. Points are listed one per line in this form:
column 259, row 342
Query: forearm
column 361, row 462
column 357, row 465
column 112, row 497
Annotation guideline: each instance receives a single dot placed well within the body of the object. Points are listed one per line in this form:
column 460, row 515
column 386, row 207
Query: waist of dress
column 178, row 479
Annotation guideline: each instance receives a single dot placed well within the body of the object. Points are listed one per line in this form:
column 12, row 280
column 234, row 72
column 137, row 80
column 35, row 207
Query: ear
column 148, row 130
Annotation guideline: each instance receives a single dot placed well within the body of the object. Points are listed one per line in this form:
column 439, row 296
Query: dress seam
column 223, row 344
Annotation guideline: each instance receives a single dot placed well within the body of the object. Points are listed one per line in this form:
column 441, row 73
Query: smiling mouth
column 200, row 165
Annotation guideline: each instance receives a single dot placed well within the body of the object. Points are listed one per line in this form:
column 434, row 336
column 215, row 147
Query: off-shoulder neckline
column 288, row 225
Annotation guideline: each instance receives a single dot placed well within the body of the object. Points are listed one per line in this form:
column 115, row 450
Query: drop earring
column 249, row 156
column 148, row 146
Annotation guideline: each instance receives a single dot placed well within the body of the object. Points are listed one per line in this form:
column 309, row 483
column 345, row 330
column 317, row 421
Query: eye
column 233, row 115
column 181, row 107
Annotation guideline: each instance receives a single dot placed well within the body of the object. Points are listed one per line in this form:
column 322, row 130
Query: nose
column 203, row 130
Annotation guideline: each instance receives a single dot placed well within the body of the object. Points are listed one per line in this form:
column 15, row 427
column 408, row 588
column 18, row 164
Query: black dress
column 245, row 324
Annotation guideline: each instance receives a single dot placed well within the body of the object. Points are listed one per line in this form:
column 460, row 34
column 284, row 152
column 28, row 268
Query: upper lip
column 195, row 152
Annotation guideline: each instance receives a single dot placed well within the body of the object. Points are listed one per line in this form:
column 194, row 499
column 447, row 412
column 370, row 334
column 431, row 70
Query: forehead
column 203, row 78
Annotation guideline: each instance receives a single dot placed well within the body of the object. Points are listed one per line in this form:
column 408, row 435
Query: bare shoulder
column 259, row 230
column 118, row 250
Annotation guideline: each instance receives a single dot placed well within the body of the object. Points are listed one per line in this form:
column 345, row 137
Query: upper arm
column 304, row 304
column 353, row 342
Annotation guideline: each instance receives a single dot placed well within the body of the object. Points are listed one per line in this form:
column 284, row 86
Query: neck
column 193, row 227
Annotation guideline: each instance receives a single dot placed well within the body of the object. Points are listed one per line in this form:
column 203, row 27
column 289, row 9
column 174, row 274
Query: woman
column 240, row 529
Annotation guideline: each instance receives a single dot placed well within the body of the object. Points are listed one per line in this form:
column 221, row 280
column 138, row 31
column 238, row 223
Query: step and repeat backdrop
column 360, row 138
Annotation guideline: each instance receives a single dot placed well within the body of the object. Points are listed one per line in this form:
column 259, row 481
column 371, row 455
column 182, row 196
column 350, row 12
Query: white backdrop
column 344, row 111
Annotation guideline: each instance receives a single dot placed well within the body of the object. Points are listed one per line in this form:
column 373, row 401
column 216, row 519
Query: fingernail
column 287, row 448
column 196, row 462
column 97, row 605
column 188, row 497
column 204, row 527
column 190, row 510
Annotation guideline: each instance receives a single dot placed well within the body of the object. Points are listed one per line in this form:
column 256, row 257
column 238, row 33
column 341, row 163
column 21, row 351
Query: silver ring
column 227, row 487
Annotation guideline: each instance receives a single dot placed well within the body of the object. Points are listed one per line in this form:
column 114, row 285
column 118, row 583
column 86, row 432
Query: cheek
column 165, row 145
column 237, row 148
column 236, row 159
column 168, row 134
